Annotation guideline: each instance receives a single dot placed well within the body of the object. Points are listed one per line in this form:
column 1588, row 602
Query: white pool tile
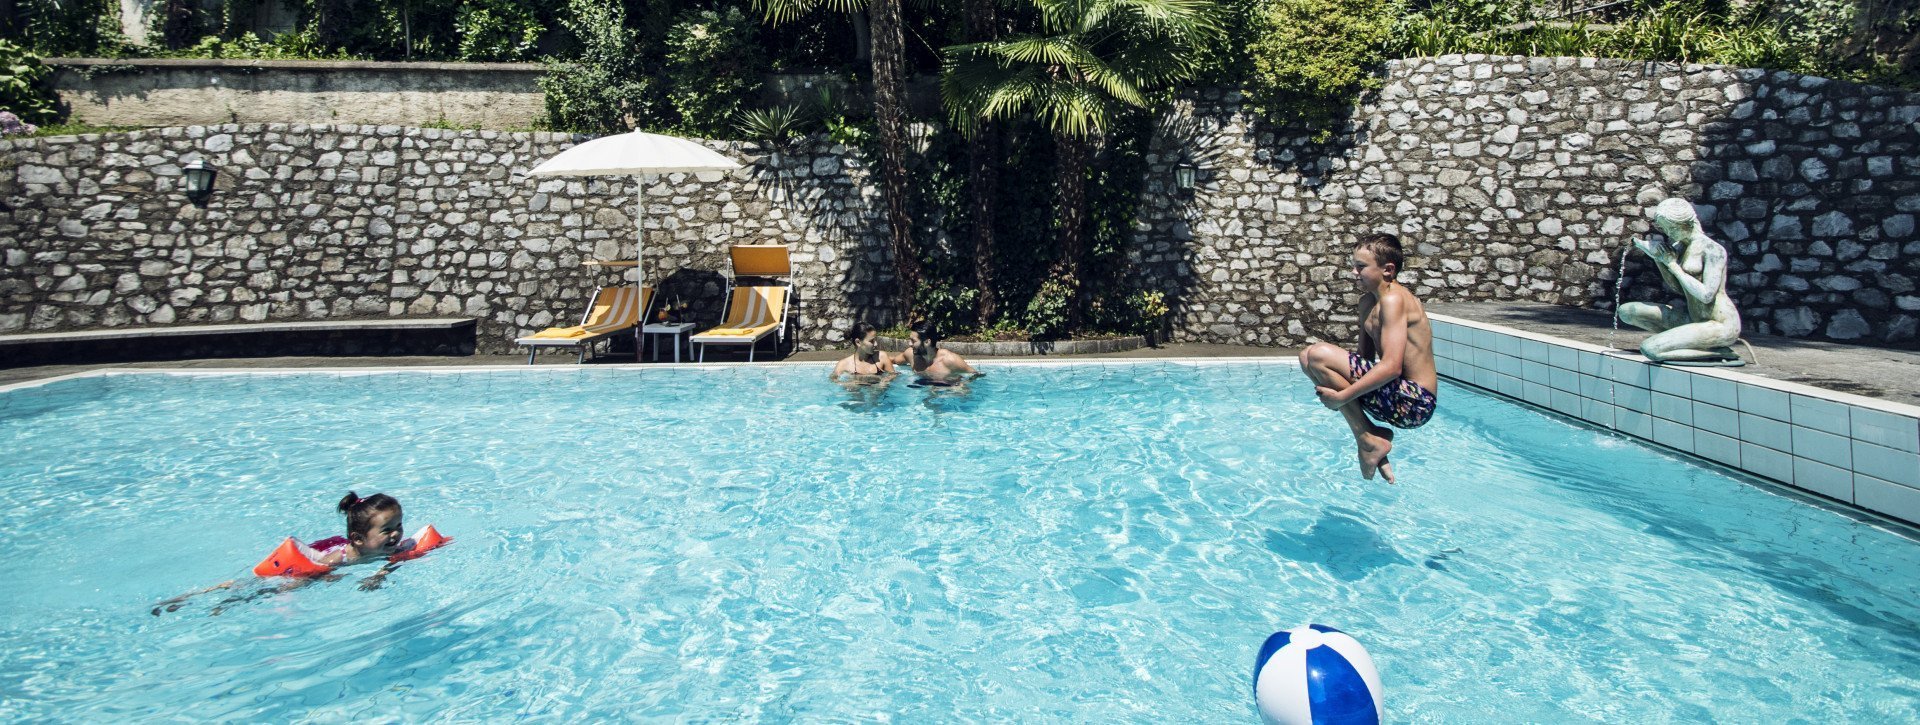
column 1484, row 358
column 1672, row 382
column 1591, row 362
column 1508, row 385
column 1673, row 435
column 1824, row 447
column 1508, row 365
column 1451, row 368
column 1764, row 461
column 1715, row 419
column 1442, row 348
column 1886, row 497
column 1717, row 448
column 1766, row 432
column 1716, row 391
column 1533, row 350
column 1632, row 398
column 1536, row 393
column 1507, row 345
column 1636, row 424
column 1561, row 356
column 1886, row 429
column 1823, row 479
column 1565, row 402
column 1886, row 463
column 1630, row 372
column 1564, row 379
column 1673, row 408
column 1764, row 402
column 1535, row 371
column 1825, row 416
column 1597, row 412
column 1594, row 386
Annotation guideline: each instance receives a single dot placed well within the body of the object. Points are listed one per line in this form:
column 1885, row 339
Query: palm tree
column 1092, row 60
column 982, row 174
column 889, row 54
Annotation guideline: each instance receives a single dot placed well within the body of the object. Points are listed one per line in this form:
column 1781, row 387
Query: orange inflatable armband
column 427, row 540
column 289, row 560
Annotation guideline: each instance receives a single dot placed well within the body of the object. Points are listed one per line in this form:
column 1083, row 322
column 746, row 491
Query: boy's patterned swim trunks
column 1400, row 403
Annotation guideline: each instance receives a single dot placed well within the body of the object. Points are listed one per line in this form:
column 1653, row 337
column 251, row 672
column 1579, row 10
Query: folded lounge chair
column 754, row 310
column 612, row 311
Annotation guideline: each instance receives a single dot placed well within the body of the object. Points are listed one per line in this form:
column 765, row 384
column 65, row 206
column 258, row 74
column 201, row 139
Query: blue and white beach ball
column 1316, row 674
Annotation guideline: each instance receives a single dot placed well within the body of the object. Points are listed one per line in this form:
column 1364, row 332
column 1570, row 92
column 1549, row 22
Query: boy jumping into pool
column 1392, row 376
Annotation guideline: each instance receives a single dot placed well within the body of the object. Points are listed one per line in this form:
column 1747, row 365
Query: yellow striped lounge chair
column 611, row 312
column 757, row 310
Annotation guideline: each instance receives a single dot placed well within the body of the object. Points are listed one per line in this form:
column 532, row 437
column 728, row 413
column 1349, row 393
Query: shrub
column 714, row 69
column 606, row 83
column 1312, row 58
column 25, row 88
column 496, row 30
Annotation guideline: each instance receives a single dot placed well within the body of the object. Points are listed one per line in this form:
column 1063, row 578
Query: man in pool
column 932, row 365
column 1392, row 376
column 867, row 361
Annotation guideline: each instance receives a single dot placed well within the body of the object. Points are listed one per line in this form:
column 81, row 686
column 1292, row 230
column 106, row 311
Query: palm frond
column 782, row 11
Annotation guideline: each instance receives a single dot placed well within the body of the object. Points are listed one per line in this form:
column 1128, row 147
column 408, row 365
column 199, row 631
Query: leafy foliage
column 24, row 86
column 69, row 27
column 713, row 70
column 778, row 125
column 1312, row 58
column 605, row 82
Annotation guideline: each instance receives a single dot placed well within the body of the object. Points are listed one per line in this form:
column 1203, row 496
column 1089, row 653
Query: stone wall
column 1511, row 178
column 192, row 91
column 316, row 222
column 1524, row 178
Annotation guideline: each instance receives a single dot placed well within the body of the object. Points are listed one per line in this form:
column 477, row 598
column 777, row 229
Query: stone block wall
column 1525, row 178
column 340, row 222
column 1511, row 178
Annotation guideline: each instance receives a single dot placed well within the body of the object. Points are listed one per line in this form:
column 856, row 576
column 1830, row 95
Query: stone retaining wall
column 185, row 92
column 1524, row 178
column 1512, row 178
column 314, row 223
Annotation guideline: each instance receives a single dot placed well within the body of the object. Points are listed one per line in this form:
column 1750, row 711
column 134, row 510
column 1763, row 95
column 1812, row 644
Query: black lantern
column 199, row 178
column 1183, row 175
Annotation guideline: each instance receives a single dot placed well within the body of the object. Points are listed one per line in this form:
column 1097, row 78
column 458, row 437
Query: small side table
column 677, row 330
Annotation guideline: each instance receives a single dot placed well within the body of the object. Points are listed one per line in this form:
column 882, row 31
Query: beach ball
column 1316, row 674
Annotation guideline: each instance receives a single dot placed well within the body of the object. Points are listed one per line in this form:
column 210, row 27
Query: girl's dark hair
column 1385, row 248
column 860, row 330
column 360, row 511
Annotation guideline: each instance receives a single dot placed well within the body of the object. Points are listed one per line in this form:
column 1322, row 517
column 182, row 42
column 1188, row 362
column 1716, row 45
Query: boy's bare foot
column 1374, row 446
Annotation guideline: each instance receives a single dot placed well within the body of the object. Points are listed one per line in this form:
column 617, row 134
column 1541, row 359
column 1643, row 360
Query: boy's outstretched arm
column 1393, row 351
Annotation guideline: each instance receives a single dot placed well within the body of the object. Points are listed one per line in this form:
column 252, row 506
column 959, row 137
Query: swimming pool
column 1061, row 542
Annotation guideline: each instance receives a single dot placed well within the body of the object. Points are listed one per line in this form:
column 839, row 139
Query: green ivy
column 714, row 69
column 1312, row 58
column 605, row 82
column 25, row 87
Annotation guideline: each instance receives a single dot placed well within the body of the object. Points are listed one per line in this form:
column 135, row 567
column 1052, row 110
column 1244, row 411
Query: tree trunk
column 1070, row 216
column 983, row 177
column 889, row 110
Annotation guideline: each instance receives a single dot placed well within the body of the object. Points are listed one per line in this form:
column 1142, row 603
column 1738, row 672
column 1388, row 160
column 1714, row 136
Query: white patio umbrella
column 635, row 154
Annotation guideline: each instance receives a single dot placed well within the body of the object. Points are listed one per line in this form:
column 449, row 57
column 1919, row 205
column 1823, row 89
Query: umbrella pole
column 639, row 262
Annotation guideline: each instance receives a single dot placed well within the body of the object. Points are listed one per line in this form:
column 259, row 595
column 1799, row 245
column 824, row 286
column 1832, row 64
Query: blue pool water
column 1060, row 543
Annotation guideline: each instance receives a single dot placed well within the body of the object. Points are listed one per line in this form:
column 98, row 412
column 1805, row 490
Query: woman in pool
column 374, row 526
column 867, row 362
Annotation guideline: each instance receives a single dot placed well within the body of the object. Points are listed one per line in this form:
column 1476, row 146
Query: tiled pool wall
column 1850, row 448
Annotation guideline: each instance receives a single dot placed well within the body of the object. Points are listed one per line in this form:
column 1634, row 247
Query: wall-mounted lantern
column 199, row 178
column 1183, row 175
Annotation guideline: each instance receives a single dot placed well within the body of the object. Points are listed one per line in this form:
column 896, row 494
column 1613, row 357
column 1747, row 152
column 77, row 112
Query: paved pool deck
column 1886, row 374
